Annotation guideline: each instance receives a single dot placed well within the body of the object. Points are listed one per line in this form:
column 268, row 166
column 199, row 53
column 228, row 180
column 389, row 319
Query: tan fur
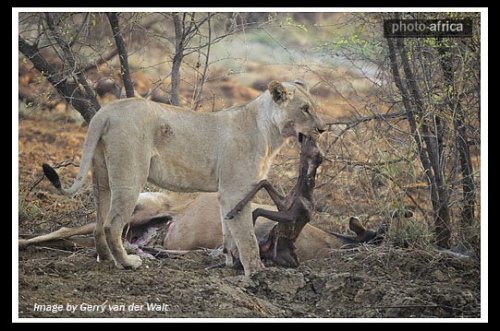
column 156, row 204
column 198, row 226
column 134, row 140
column 62, row 233
column 149, row 205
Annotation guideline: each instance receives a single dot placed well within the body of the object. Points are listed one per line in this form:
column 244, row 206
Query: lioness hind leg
column 127, row 159
column 102, row 197
column 122, row 205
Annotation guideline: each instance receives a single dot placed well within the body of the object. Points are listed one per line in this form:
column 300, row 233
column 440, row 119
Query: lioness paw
column 133, row 262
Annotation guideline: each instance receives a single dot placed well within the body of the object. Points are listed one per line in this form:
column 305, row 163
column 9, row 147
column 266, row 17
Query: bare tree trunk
column 410, row 113
column 453, row 100
column 442, row 220
column 122, row 51
column 177, row 60
column 424, row 159
column 428, row 156
column 68, row 88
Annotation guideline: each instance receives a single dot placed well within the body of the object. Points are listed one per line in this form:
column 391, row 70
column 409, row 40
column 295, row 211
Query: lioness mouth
column 301, row 137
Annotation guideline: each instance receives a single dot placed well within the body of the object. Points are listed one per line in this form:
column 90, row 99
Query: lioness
column 134, row 140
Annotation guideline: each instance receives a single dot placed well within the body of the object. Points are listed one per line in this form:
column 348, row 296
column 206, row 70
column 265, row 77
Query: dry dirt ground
column 364, row 282
column 379, row 282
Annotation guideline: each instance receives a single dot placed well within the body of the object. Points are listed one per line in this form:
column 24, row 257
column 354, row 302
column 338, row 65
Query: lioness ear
column 356, row 226
column 278, row 91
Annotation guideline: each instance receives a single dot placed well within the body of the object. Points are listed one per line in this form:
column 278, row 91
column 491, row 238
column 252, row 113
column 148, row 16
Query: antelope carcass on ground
column 194, row 223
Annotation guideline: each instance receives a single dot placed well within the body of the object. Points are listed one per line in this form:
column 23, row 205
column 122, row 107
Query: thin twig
column 203, row 78
column 53, row 249
column 382, row 117
column 80, row 28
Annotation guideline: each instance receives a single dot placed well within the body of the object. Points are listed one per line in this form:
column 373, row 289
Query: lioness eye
column 305, row 108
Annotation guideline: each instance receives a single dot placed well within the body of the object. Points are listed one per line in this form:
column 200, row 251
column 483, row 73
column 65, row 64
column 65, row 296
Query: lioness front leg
column 228, row 244
column 241, row 229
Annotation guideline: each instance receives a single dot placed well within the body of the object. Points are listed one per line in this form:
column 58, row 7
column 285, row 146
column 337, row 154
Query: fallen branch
column 161, row 253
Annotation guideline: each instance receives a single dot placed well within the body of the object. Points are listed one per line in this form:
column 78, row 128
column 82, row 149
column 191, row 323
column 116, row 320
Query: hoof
column 232, row 214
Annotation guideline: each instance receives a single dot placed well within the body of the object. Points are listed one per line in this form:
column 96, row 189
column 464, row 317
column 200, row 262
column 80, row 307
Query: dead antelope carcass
column 195, row 223
column 198, row 226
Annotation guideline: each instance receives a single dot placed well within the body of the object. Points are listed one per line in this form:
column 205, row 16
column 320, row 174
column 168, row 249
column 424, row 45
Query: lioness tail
column 96, row 128
column 52, row 175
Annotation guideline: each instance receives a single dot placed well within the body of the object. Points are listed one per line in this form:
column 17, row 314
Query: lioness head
column 297, row 113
